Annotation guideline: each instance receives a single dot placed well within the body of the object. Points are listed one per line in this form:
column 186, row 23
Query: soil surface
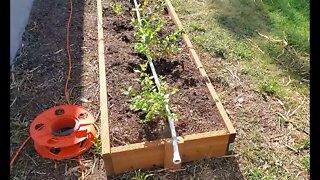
column 193, row 103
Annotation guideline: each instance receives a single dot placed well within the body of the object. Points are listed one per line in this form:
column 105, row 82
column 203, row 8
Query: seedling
column 269, row 88
column 97, row 145
column 141, row 176
column 116, row 7
column 150, row 101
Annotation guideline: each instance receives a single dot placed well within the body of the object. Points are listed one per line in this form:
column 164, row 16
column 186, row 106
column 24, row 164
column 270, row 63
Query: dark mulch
column 38, row 77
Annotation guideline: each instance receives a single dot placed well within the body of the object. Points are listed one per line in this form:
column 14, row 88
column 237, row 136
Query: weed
column 244, row 71
column 141, row 175
column 150, row 101
column 303, row 144
column 97, row 147
column 116, row 7
column 269, row 88
column 19, row 125
column 254, row 173
column 306, row 163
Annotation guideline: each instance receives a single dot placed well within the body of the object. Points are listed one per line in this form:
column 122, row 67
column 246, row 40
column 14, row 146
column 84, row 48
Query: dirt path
column 38, row 78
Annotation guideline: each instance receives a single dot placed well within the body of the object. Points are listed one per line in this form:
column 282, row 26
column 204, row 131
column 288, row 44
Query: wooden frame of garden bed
column 160, row 152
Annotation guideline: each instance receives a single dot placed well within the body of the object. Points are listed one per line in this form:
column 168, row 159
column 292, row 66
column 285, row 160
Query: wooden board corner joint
column 230, row 146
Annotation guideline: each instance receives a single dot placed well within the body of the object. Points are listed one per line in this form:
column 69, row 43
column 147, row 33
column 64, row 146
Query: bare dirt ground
column 38, row 77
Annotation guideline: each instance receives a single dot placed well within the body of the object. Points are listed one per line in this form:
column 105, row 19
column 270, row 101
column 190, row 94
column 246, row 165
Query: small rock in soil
column 240, row 100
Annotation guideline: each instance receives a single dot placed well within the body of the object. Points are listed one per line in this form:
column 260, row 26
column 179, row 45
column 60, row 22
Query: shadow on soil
column 244, row 18
column 38, row 78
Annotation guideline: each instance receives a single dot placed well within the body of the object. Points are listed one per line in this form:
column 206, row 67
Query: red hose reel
column 63, row 132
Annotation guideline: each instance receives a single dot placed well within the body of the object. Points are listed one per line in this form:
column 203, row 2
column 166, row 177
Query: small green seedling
column 116, row 7
column 97, row 147
column 141, row 175
column 269, row 88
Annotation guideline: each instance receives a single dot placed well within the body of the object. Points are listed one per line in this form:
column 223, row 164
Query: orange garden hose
column 65, row 93
column 18, row 151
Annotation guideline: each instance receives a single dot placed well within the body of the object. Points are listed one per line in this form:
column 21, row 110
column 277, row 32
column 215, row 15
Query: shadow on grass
column 245, row 18
column 38, row 78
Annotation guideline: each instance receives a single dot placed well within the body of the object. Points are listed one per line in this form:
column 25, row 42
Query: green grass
column 141, row 175
column 270, row 41
column 306, row 163
column 291, row 17
column 269, row 88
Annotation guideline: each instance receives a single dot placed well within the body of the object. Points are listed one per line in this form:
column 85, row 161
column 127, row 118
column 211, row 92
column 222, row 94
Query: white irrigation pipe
column 176, row 155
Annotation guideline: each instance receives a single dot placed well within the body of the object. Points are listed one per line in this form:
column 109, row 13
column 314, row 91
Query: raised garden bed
column 203, row 126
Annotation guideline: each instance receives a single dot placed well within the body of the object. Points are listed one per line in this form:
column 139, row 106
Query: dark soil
column 193, row 103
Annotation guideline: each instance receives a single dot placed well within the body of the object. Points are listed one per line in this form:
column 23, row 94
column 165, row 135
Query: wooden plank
column 204, row 147
column 104, row 129
column 130, row 147
column 160, row 152
column 108, row 163
column 210, row 134
column 174, row 15
column 138, row 156
column 198, row 63
column 168, row 158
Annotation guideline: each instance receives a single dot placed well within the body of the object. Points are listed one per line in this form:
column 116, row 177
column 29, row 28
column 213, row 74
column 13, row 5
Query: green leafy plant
column 147, row 32
column 97, row 146
column 169, row 43
column 269, row 88
column 150, row 101
column 116, row 7
column 306, row 163
column 141, row 176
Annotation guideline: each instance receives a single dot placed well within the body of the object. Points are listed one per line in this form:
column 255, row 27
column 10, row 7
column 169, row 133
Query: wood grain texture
column 204, row 147
column 104, row 129
column 168, row 150
column 138, row 156
column 159, row 153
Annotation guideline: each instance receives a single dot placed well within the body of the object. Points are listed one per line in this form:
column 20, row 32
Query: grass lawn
column 266, row 44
